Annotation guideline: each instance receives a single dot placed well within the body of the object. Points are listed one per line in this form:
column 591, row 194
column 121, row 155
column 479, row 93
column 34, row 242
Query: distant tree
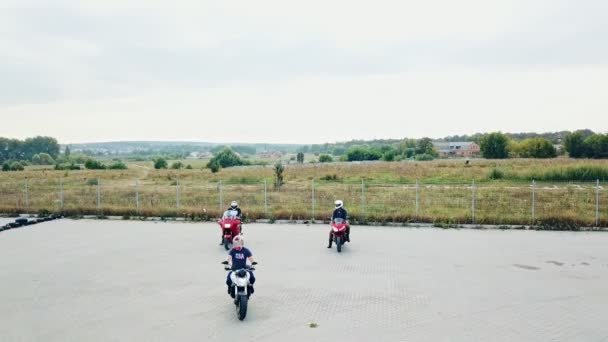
column 537, row 148
column 425, row 146
column 93, row 164
column 223, row 159
column 160, row 163
column 300, row 157
column 338, row 150
column 17, row 166
column 40, row 144
column 6, row 166
column 189, row 167
column 596, row 146
column 214, row 166
column 325, row 158
column 388, row 152
column 67, row 152
column 495, row 146
column 279, row 169
column 575, row 145
column 42, row 159
column 356, row 154
column 177, row 165
column 388, row 156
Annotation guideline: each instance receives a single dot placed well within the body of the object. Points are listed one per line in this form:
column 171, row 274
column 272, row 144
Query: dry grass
column 389, row 195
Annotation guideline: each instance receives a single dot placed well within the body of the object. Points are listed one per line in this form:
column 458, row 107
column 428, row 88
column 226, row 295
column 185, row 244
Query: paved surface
column 141, row 281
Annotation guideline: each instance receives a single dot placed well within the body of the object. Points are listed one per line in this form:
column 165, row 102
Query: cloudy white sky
column 300, row 71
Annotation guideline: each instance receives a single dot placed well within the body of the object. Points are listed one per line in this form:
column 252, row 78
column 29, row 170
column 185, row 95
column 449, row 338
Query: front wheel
column 241, row 309
column 227, row 243
column 339, row 244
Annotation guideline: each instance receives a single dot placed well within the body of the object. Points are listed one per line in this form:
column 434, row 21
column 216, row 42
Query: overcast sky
column 300, row 71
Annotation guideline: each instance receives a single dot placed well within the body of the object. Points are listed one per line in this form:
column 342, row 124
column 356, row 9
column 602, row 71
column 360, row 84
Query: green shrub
column 424, row 157
column 93, row 164
column 17, row 166
column 325, row 158
column 333, row 177
column 117, row 165
column 160, row 163
column 67, row 166
column 496, row 173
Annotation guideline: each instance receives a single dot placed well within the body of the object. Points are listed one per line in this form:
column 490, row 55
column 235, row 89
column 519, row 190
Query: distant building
column 269, row 155
column 199, row 155
column 457, row 148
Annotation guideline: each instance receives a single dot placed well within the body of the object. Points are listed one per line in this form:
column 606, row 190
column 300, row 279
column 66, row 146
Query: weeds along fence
column 551, row 204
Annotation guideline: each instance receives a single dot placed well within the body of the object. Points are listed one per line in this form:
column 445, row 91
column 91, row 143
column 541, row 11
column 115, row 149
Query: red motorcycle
column 338, row 227
column 230, row 224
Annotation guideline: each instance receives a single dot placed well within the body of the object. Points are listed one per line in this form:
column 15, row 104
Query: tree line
column 16, row 154
column 578, row 144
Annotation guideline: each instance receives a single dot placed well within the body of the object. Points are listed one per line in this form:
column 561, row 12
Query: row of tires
column 24, row 221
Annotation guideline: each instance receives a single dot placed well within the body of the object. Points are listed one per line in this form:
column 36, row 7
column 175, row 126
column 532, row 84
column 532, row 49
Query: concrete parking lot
column 82, row 280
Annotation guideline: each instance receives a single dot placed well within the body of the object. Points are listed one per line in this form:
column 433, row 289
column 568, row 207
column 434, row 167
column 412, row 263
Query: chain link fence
column 583, row 204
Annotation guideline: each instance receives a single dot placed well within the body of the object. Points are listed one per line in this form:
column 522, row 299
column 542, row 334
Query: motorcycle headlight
column 227, row 225
column 335, row 229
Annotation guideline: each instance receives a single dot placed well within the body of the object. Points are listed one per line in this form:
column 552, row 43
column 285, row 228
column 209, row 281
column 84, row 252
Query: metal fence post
column 417, row 197
column 597, row 203
column 137, row 196
column 533, row 201
column 265, row 199
column 220, row 191
column 313, row 199
column 27, row 197
column 98, row 194
column 473, row 202
column 61, row 193
column 177, row 193
column 363, row 198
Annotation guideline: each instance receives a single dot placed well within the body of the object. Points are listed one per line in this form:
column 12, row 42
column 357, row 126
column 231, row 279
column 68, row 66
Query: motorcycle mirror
column 226, row 268
column 225, row 262
column 254, row 263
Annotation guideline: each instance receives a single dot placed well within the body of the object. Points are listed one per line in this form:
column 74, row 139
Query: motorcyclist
column 234, row 205
column 339, row 212
column 237, row 258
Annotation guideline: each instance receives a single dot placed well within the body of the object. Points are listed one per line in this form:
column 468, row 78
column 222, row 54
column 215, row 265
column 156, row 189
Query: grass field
column 372, row 191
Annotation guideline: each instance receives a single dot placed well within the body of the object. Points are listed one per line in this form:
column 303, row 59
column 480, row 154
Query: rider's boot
column 330, row 241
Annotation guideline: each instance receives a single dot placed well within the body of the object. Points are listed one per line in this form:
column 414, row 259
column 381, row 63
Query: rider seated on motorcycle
column 234, row 205
column 237, row 258
column 339, row 212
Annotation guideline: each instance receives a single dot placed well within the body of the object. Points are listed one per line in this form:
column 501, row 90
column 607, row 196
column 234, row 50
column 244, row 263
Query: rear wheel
column 226, row 243
column 339, row 244
column 241, row 309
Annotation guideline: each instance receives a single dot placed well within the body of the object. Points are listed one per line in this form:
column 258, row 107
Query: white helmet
column 339, row 204
column 238, row 241
column 234, row 204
